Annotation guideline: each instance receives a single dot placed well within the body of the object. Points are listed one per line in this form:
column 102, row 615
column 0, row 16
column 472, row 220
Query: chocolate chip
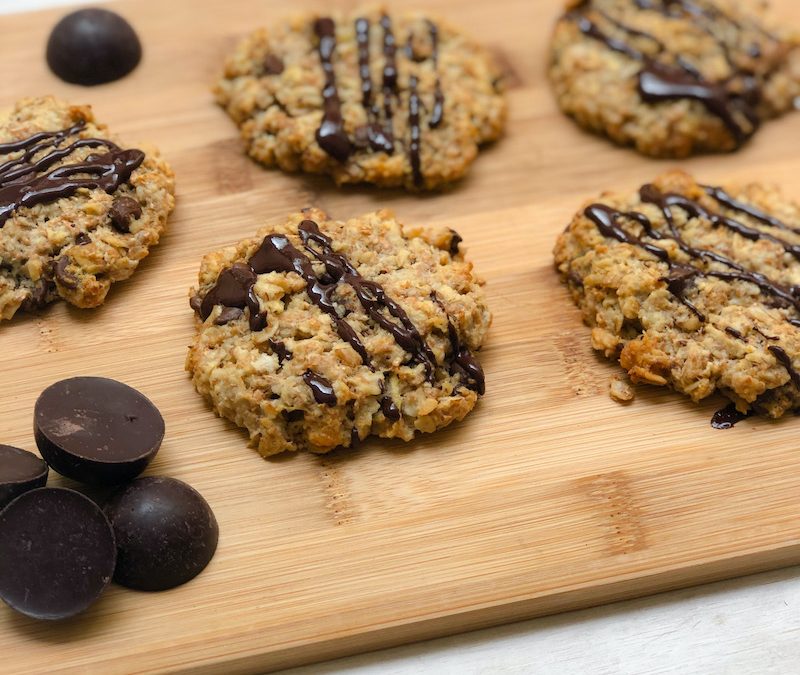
column 96, row 430
column 81, row 239
column 195, row 302
column 228, row 314
column 123, row 210
column 166, row 533
column 58, row 553
column 93, row 46
column 63, row 276
column 455, row 240
column 294, row 415
column 273, row 65
column 20, row 471
column 39, row 297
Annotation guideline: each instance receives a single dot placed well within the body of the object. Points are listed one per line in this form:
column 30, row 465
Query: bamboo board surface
column 548, row 497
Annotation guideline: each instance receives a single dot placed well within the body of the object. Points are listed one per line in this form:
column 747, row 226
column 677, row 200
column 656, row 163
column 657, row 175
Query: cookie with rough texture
column 693, row 286
column 78, row 210
column 397, row 100
column 317, row 333
column 673, row 77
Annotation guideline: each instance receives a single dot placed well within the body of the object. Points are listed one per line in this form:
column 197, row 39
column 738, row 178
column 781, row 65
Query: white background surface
column 749, row 626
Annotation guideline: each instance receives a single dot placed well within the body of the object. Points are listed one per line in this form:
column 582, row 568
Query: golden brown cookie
column 398, row 100
column 693, row 286
column 317, row 333
column 673, row 77
column 78, row 210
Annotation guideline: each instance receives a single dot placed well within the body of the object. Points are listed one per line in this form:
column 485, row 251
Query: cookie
column 692, row 286
column 673, row 77
column 78, row 210
column 317, row 333
column 397, row 100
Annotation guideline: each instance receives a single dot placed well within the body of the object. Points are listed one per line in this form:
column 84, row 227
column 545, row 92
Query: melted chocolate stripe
column 463, row 360
column 389, row 77
column 735, row 205
column 696, row 210
column 437, row 115
column 415, row 132
column 680, row 275
column 785, row 360
column 277, row 254
column 371, row 295
column 21, row 182
column 321, row 388
column 331, row 135
column 378, row 140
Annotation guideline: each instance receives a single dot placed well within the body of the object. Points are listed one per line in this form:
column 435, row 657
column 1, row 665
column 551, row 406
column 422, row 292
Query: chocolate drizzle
column 234, row 289
column 389, row 73
column 757, row 214
column 463, row 360
column 378, row 132
column 415, row 132
column 380, row 138
column 321, row 389
column 277, row 254
column 733, row 100
column 786, row 361
column 331, row 136
column 681, row 276
column 280, row 350
column 370, row 294
column 390, row 410
column 438, row 96
column 24, row 183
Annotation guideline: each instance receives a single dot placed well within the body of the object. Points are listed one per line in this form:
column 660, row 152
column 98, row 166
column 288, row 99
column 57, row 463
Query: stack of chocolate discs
column 58, row 549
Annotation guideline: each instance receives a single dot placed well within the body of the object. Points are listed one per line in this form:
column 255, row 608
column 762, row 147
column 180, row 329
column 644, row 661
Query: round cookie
column 318, row 333
column 673, row 77
column 78, row 211
column 693, row 286
column 397, row 100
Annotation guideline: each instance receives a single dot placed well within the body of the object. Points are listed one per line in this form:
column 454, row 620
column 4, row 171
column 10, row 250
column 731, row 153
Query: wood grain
column 549, row 497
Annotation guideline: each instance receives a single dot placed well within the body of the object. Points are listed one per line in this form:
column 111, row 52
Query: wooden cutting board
column 548, row 497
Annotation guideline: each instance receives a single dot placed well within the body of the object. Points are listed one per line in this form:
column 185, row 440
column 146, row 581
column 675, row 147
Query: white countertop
column 748, row 626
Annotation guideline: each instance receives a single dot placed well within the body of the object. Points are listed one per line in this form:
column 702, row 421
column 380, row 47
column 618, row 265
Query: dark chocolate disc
column 97, row 430
column 20, row 471
column 57, row 553
column 93, row 46
column 166, row 533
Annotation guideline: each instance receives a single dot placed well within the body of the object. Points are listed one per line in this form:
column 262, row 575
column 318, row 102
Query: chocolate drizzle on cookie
column 331, row 136
column 437, row 115
column 234, row 289
column 378, row 134
column 681, row 276
column 380, row 137
column 321, row 388
column 463, row 360
column 733, row 100
column 27, row 182
column 414, row 131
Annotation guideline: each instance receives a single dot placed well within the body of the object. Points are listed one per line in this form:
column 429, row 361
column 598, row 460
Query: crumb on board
column 620, row 389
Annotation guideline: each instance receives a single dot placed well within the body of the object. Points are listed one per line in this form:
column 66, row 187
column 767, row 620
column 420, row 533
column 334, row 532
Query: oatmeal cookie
column 317, row 333
column 673, row 77
column 77, row 210
column 693, row 286
column 396, row 100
